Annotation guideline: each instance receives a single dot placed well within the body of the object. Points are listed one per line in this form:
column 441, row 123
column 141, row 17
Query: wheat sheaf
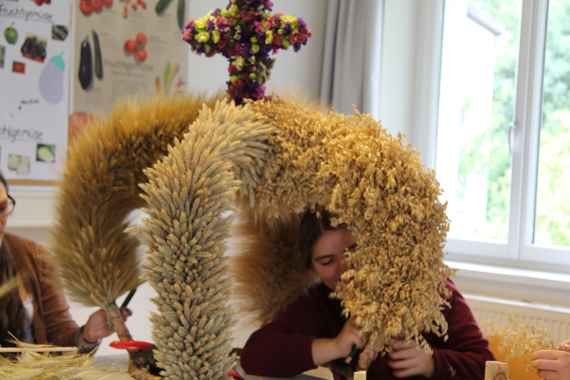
column 268, row 160
column 372, row 182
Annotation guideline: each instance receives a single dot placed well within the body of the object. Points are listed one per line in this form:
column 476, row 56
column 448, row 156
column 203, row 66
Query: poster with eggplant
column 35, row 66
column 126, row 48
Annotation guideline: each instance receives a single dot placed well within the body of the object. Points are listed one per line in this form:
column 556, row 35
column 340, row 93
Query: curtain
column 352, row 56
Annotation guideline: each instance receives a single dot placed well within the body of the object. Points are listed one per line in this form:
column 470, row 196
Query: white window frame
column 519, row 252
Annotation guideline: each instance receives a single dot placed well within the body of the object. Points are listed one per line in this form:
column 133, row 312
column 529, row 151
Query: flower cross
column 246, row 32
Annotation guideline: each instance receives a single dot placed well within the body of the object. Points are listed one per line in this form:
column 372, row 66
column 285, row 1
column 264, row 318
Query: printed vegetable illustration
column 19, row 164
column 170, row 71
column 11, row 35
column 52, row 80
column 2, row 56
column 86, row 65
column 161, row 6
column 134, row 4
column 98, row 55
column 89, row 6
column 181, row 13
column 136, row 47
column 45, row 153
column 141, row 39
column 13, row 161
column 98, row 5
column 130, row 46
column 141, row 55
column 86, row 7
column 18, row 67
column 157, row 85
column 34, row 48
column 59, row 32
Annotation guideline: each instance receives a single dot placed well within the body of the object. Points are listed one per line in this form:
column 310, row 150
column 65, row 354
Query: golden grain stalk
column 37, row 362
column 188, row 197
column 97, row 258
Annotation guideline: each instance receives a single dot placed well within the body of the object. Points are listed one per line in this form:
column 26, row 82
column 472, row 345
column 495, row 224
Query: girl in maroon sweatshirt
column 311, row 331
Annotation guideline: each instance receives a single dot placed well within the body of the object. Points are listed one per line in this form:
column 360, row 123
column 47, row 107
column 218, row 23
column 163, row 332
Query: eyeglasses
column 7, row 208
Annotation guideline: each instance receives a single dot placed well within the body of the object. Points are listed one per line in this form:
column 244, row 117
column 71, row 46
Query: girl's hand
column 348, row 336
column 552, row 364
column 325, row 350
column 97, row 326
column 366, row 357
column 565, row 346
column 407, row 359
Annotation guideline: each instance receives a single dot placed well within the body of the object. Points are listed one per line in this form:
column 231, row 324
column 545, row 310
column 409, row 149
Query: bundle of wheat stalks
column 188, row 196
column 374, row 183
column 96, row 255
column 44, row 362
column 188, row 191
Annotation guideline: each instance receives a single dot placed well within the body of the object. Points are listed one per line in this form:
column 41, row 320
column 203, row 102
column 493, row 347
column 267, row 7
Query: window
column 501, row 129
column 476, row 104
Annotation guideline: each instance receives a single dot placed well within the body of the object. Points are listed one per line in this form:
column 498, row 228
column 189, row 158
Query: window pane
column 476, row 108
column 552, row 218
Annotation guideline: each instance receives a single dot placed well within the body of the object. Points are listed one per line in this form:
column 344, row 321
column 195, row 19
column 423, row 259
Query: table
column 121, row 362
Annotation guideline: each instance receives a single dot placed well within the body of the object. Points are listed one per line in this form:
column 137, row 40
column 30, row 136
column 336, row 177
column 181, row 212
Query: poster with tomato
column 35, row 51
column 126, row 48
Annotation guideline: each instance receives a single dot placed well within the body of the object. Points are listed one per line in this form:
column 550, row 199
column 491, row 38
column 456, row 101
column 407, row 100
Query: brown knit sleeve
column 60, row 327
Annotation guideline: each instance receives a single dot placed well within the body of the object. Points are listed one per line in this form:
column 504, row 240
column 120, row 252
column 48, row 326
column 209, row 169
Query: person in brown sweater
column 312, row 331
column 35, row 310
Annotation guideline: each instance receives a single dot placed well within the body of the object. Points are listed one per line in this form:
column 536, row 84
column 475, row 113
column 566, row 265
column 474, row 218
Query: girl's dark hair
column 12, row 312
column 313, row 223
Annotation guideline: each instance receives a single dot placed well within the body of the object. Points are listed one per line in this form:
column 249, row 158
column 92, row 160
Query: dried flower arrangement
column 372, row 182
column 247, row 34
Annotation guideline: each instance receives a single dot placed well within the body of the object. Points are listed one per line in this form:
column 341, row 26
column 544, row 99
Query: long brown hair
column 12, row 312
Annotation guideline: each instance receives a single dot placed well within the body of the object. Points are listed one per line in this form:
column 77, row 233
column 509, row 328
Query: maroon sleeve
column 283, row 348
column 464, row 354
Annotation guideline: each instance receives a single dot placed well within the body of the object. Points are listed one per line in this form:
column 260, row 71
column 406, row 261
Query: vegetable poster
column 34, row 88
column 126, row 48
